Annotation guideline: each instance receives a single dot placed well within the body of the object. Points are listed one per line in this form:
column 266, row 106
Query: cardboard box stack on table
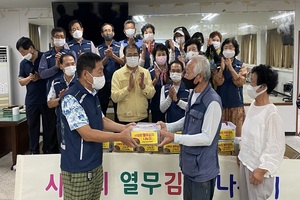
column 227, row 138
column 172, row 147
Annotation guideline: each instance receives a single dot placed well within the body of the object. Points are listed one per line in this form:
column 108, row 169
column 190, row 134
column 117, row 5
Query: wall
column 16, row 21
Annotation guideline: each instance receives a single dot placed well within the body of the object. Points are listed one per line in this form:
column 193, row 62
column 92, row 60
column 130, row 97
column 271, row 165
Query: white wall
column 15, row 25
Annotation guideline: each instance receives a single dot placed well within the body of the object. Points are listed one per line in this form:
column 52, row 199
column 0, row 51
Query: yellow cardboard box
column 227, row 131
column 226, row 145
column 105, row 145
column 147, row 148
column 172, row 147
column 119, row 146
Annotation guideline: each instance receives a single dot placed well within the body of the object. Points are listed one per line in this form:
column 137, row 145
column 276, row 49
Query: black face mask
column 189, row 84
column 108, row 37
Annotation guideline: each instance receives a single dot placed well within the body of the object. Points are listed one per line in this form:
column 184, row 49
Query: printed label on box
column 226, row 145
column 145, row 137
column 119, row 146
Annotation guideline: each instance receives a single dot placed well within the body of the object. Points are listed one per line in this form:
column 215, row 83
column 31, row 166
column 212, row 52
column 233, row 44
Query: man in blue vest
column 82, row 128
column 49, row 69
column 80, row 45
column 60, row 85
column 200, row 133
column 110, row 55
column 35, row 100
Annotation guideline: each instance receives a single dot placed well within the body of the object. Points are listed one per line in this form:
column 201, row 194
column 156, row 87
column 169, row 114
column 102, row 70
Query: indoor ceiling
column 225, row 22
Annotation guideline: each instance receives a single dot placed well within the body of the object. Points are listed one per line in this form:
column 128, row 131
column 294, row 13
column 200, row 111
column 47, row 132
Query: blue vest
column 60, row 84
column 200, row 163
column 231, row 95
column 79, row 155
column 174, row 112
column 111, row 65
column 138, row 43
column 84, row 47
column 50, row 58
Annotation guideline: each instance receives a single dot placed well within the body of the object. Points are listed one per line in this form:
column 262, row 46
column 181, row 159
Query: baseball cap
column 179, row 31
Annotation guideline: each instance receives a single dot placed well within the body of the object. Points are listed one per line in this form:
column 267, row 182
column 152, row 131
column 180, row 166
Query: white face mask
column 148, row 37
column 132, row 61
column 180, row 40
column 228, row 53
column 252, row 91
column 175, row 76
column 130, row 32
column 98, row 82
column 28, row 56
column 192, row 54
column 70, row 70
column 77, row 34
column 59, row 42
column 216, row 44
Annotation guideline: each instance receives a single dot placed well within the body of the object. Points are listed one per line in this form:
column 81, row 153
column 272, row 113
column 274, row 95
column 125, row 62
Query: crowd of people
column 175, row 85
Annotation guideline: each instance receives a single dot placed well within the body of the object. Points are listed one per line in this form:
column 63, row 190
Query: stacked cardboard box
column 227, row 136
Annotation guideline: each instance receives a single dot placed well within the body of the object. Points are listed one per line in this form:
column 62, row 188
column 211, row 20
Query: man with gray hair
column 200, row 132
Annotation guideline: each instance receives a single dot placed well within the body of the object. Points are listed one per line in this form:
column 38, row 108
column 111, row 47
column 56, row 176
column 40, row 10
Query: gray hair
column 202, row 66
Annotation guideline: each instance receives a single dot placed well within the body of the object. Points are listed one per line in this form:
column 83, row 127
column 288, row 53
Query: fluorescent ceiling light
column 194, row 27
column 225, row 33
column 246, row 26
column 282, row 15
column 209, row 16
column 139, row 18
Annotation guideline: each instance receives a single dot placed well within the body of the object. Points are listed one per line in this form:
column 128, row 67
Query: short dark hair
column 129, row 22
column 74, row 22
column 266, row 75
column 185, row 32
column 61, row 59
column 105, row 24
column 146, row 26
column 234, row 43
column 160, row 47
column 87, row 61
column 214, row 34
column 57, row 30
column 190, row 42
column 131, row 46
column 25, row 43
column 175, row 62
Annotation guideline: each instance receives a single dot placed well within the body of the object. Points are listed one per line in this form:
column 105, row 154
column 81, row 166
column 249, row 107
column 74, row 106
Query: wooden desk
column 13, row 135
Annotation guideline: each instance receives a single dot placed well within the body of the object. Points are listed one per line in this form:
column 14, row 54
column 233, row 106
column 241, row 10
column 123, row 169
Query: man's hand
column 61, row 93
column 167, row 138
column 257, row 176
column 141, row 81
column 131, row 82
column 57, row 57
column 162, row 125
column 127, row 139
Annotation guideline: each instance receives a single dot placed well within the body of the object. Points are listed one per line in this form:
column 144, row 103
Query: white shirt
column 209, row 129
column 166, row 102
column 52, row 95
column 263, row 140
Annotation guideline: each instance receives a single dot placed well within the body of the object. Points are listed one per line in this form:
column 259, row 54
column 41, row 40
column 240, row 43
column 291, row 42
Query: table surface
column 11, row 119
column 293, row 142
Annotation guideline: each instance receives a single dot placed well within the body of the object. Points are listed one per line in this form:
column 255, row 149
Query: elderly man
column 200, row 132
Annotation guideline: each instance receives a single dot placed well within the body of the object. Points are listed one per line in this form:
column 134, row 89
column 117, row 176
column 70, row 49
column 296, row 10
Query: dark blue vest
column 50, row 58
column 79, row 155
column 231, row 95
column 200, row 163
column 111, row 65
column 174, row 112
column 84, row 47
column 60, row 84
